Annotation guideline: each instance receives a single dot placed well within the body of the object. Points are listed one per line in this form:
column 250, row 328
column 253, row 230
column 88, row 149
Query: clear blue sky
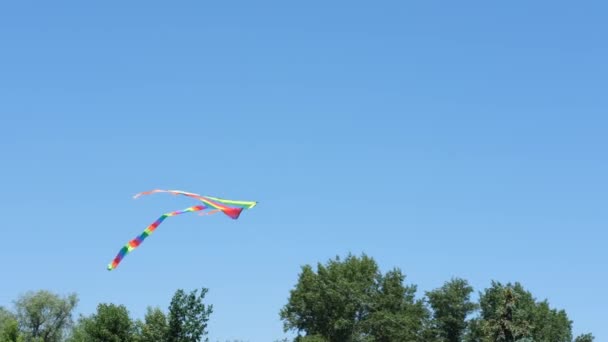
column 444, row 138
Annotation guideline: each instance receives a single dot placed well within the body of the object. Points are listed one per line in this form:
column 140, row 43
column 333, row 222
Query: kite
column 231, row 208
column 220, row 204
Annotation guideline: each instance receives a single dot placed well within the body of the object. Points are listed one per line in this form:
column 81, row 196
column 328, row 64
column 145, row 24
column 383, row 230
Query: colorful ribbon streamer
column 131, row 245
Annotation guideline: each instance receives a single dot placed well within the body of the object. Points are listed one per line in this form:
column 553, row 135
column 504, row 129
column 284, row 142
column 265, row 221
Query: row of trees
column 46, row 317
column 350, row 300
column 346, row 300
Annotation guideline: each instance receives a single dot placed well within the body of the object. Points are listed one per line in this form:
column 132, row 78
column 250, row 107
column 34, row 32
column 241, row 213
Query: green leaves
column 451, row 304
column 111, row 323
column 584, row 338
column 154, row 328
column 45, row 316
column 510, row 313
column 187, row 322
column 332, row 302
column 347, row 300
column 352, row 300
column 188, row 316
column 395, row 313
column 9, row 327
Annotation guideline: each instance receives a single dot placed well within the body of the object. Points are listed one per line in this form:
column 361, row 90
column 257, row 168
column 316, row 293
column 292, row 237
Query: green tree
column 351, row 300
column 154, row 328
column 474, row 332
column 111, row 323
column 45, row 316
column 5, row 317
column 188, row 316
column 78, row 332
column 584, row 338
column 9, row 327
column 509, row 313
column 395, row 314
column 550, row 324
column 332, row 302
column 311, row 338
column 451, row 304
column 10, row 332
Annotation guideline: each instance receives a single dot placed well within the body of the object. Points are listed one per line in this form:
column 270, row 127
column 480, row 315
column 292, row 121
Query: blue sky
column 444, row 138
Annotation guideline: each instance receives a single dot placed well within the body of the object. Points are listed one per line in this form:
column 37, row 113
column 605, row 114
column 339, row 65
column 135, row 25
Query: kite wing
column 231, row 208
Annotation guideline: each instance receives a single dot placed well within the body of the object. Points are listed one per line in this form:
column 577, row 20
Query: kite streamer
column 131, row 245
column 231, row 208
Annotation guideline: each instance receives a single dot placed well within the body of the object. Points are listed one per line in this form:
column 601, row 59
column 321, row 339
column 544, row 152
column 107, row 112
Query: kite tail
column 131, row 245
column 174, row 192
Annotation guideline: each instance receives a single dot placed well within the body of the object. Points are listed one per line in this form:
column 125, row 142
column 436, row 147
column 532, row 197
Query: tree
column 45, row 316
column 509, row 313
column 111, row 323
column 311, row 338
column 550, row 324
column 351, row 300
column 188, row 316
column 584, row 338
column 78, row 333
column 154, row 328
column 9, row 327
column 451, row 305
column 332, row 302
column 395, row 314
column 5, row 317
column 10, row 332
column 506, row 312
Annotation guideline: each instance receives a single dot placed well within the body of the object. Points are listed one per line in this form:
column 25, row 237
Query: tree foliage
column 584, row 338
column 9, row 327
column 154, row 328
column 346, row 300
column 451, row 304
column 45, row 316
column 111, row 323
column 510, row 313
column 188, row 316
column 395, row 314
column 352, row 300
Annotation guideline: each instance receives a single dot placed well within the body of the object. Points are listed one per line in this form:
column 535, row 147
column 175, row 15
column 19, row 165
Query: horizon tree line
column 347, row 300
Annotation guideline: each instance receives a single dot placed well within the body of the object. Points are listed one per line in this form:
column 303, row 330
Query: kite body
column 231, row 208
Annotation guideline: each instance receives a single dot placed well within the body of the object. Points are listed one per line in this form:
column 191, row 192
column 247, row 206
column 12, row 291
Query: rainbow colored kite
column 231, row 208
